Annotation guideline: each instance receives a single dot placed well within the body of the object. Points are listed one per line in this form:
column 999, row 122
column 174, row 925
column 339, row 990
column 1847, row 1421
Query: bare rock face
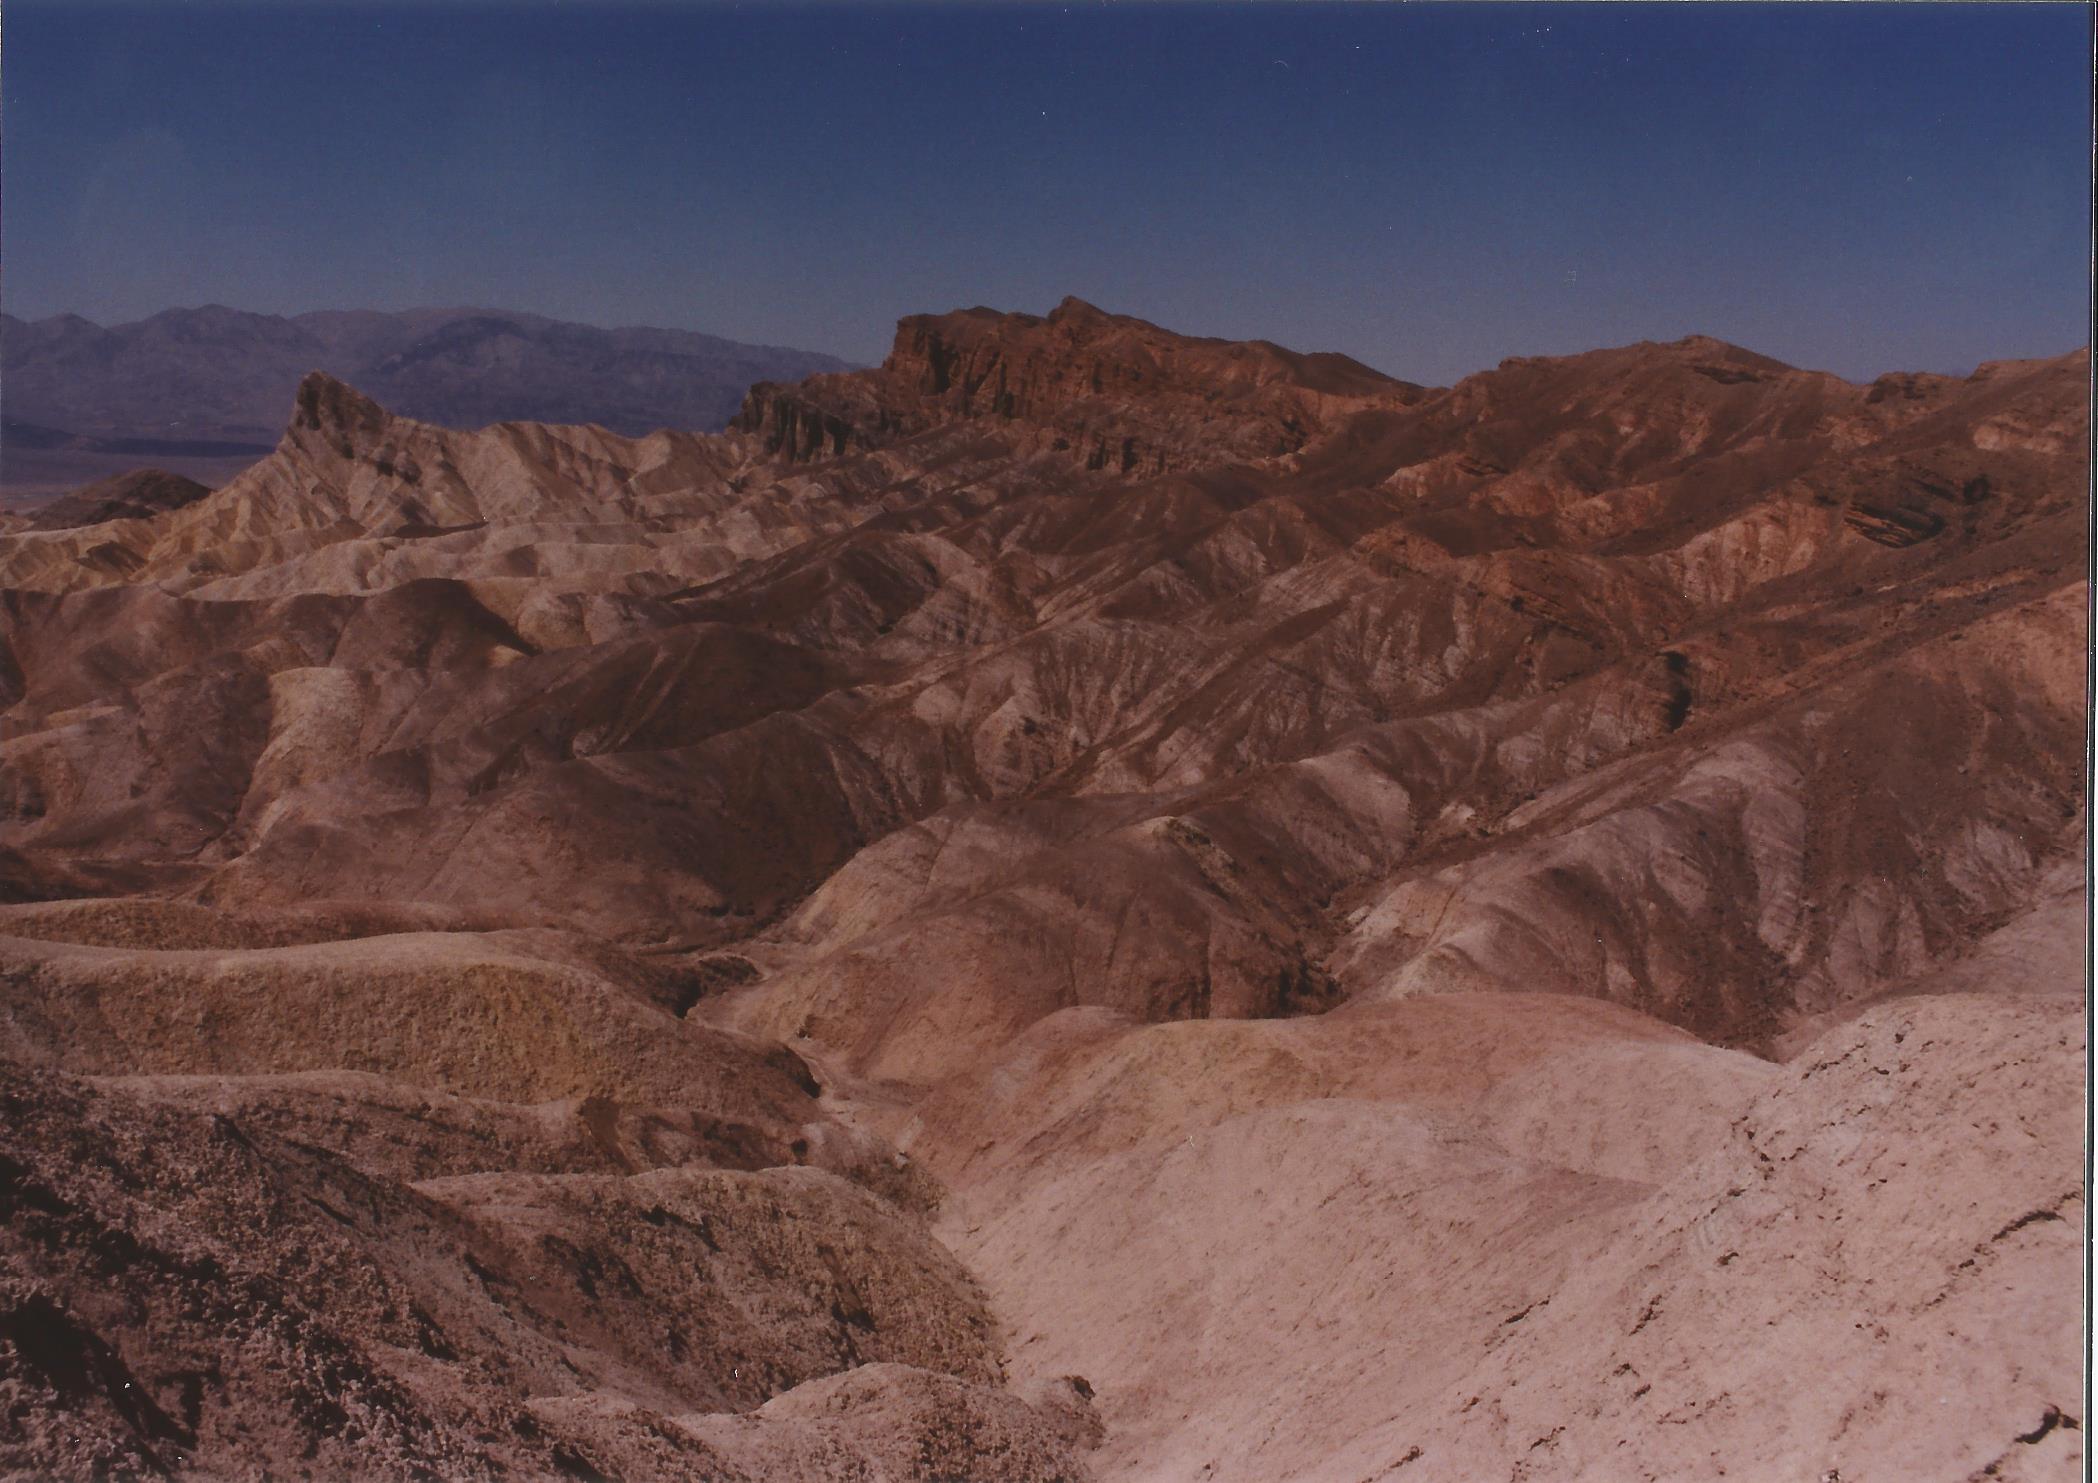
column 1105, row 390
column 1082, row 903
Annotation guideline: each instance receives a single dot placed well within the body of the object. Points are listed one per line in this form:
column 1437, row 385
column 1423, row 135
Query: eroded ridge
column 1084, row 902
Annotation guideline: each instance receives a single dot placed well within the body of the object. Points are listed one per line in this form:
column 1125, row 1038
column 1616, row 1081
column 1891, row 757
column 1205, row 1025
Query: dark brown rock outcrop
column 134, row 496
column 1107, row 391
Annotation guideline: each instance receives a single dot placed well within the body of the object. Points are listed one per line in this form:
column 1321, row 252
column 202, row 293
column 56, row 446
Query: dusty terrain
column 1085, row 903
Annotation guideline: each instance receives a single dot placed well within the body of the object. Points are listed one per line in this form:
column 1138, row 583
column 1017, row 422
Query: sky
column 1427, row 187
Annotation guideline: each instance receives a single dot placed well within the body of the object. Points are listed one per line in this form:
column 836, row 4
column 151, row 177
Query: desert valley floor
column 1085, row 903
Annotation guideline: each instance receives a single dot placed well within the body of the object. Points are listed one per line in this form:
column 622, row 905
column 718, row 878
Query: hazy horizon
column 290, row 314
column 1194, row 331
column 1429, row 189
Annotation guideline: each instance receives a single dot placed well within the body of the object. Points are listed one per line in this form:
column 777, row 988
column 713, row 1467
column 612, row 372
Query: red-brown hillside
column 1260, row 870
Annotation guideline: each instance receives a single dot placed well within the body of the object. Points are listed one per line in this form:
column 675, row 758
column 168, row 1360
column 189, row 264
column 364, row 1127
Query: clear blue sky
column 1427, row 187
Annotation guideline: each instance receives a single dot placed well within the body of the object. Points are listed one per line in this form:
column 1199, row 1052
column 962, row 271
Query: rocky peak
column 1108, row 390
column 1073, row 307
column 339, row 416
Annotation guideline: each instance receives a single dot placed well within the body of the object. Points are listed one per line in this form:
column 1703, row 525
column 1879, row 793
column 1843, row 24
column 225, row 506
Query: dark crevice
column 2053, row 1418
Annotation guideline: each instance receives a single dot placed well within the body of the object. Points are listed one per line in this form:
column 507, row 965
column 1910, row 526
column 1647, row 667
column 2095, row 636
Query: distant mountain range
column 205, row 391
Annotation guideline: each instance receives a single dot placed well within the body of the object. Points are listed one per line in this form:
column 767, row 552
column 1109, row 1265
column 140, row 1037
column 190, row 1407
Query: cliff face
column 1104, row 391
column 793, row 423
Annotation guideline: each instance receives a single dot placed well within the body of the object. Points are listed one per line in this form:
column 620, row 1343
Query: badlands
column 1083, row 904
